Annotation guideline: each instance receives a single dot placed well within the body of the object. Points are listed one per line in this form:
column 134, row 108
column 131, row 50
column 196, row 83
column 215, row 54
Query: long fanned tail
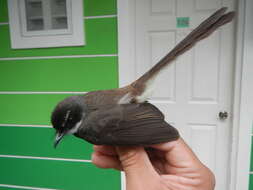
column 205, row 29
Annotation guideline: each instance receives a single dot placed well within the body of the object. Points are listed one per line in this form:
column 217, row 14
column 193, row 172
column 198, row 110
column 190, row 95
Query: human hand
column 166, row 166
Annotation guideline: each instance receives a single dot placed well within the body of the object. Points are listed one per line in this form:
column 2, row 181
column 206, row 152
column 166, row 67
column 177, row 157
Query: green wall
column 27, row 97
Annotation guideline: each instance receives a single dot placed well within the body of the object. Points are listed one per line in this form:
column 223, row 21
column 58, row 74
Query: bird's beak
column 58, row 138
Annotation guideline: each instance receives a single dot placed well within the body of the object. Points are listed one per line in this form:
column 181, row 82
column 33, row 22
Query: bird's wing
column 127, row 124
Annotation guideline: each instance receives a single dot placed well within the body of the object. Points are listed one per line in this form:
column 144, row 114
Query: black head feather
column 67, row 114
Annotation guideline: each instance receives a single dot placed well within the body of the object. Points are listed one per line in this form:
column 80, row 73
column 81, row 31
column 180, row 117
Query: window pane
column 59, row 14
column 34, row 15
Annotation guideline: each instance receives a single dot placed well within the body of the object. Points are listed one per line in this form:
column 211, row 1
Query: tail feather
column 196, row 32
column 205, row 29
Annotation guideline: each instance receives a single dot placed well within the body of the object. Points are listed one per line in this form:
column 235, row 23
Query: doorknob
column 223, row 115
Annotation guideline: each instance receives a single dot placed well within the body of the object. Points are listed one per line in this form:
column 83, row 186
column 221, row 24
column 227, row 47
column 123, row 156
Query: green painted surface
column 57, row 174
column 64, row 74
column 71, row 74
column 34, row 141
column 98, row 7
column 101, row 38
column 28, row 108
column 250, row 181
column 3, row 11
column 183, row 22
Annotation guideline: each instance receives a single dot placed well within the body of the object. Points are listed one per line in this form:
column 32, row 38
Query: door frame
column 242, row 105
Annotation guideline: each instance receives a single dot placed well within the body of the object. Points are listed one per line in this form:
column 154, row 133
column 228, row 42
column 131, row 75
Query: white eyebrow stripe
column 75, row 129
column 66, row 118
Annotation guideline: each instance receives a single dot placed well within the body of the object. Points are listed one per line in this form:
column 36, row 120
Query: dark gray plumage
column 126, row 124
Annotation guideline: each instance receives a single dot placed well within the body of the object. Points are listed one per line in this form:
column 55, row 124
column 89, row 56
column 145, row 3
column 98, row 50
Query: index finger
column 178, row 153
column 105, row 149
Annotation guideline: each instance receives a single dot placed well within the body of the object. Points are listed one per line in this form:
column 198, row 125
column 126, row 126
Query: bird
column 123, row 116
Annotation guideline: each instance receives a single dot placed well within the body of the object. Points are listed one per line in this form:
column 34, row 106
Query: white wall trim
column 237, row 93
column 126, row 42
column 4, row 23
column 56, row 57
column 41, row 92
column 103, row 16
column 24, row 187
column 126, row 52
column 25, row 125
column 244, row 128
column 123, row 181
column 43, row 158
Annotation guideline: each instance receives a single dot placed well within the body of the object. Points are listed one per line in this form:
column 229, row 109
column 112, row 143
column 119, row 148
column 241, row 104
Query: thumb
column 134, row 160
column 140, row 174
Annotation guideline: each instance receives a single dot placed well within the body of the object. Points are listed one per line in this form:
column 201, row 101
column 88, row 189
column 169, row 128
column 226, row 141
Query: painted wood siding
column 32, row 81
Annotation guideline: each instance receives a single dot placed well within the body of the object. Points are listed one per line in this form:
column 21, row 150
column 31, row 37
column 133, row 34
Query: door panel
column 158, row 44
column 204, row 71
column 207, row 4
column 206, row 134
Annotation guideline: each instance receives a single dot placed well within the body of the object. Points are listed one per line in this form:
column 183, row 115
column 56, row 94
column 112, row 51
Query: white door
column 198, row 85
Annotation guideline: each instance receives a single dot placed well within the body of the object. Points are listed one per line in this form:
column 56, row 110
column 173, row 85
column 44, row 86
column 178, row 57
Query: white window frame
column 21, row 39
column 47, row 13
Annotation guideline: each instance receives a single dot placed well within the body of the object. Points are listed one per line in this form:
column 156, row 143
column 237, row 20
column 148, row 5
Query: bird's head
column 67, row 117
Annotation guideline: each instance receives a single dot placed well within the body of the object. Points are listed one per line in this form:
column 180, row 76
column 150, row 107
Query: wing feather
column 127, row 124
